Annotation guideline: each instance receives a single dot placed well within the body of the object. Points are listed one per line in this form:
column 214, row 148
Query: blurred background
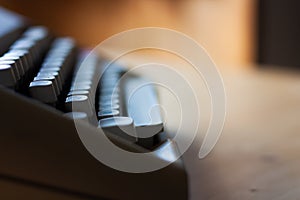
column 226, row 28
column 257, row 156
column 234, row 32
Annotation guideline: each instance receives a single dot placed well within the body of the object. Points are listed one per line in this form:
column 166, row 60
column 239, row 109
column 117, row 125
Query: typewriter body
column 40, row 146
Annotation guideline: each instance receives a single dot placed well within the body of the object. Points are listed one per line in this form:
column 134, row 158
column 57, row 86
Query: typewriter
column 41, row 153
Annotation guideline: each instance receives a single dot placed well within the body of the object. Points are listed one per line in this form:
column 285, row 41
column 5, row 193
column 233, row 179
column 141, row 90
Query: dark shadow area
column 279, row 33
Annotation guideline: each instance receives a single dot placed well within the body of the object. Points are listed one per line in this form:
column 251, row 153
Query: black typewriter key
column 13, row 66
column 7, row 76
column 49, row 78
column 43, row 91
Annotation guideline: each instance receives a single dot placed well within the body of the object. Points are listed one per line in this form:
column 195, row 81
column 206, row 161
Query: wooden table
column 258, row 154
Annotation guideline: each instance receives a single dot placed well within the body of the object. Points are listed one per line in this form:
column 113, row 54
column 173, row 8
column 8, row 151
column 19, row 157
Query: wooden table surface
column 258, row 153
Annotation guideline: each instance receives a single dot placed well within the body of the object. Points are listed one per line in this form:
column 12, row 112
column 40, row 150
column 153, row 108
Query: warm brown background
column 257, row 156
column 224, row 27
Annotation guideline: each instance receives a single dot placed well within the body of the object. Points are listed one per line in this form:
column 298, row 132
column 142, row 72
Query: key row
column 22, row 58
column 81, row 96
column 109, row 101
column 111, row 115
column 55, row 70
